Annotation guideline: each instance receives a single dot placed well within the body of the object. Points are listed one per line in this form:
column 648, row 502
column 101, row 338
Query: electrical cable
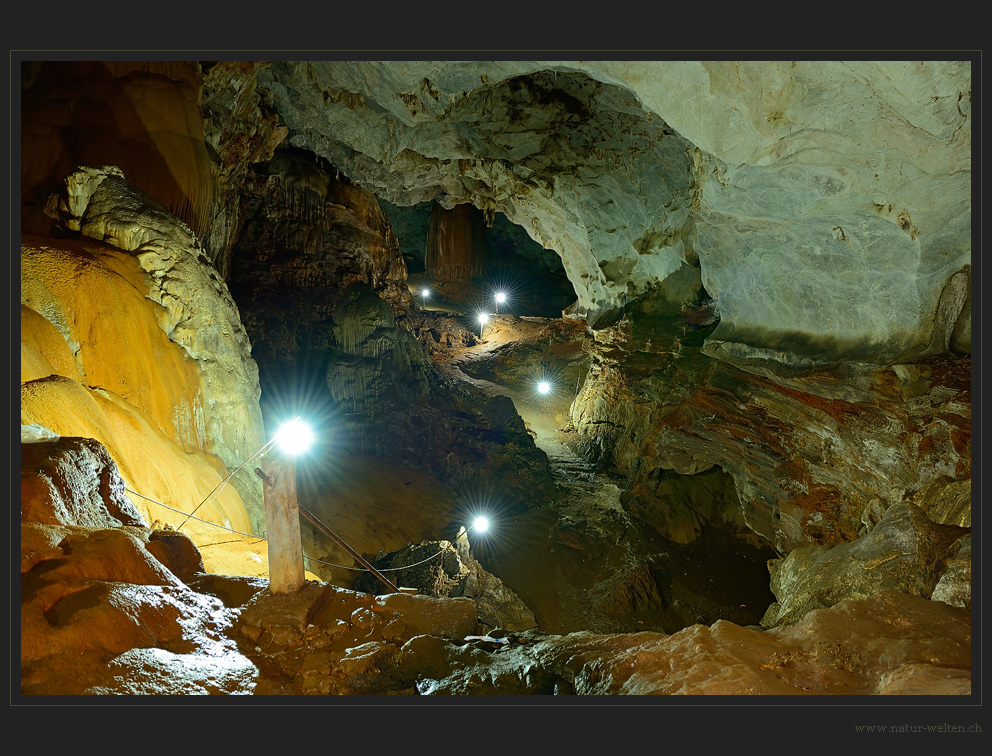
column 223, row 483
column 263, row 540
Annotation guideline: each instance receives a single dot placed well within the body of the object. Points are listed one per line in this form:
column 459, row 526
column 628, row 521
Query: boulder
column 905, row 552
column 74, row 481
column 448, row 570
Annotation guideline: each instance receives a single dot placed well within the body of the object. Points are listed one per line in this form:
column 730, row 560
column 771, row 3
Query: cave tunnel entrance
column 603, row 562
column 465, row 261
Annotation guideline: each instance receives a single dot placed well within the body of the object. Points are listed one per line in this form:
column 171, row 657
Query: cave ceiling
column 826, row 204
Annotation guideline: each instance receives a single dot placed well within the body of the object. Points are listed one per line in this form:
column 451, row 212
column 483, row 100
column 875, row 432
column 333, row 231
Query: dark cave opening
column 532, row 277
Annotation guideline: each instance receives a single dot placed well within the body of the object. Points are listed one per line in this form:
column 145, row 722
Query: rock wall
column 96, row 366
column 795, row 184
column 397, row 404
column 142, row 116
column 240, row 131
column 905, row 552
column 815, row 460
column 315, row 243
column 180, row 355
column 457, row 250
column 187, row 133
column 307, row 234
column 110, row 607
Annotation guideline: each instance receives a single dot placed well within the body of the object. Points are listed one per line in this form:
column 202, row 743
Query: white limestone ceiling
column 826, row 203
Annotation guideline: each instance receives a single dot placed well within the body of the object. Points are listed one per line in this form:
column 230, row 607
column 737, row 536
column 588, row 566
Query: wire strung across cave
column 263, row 540
column 219, row 487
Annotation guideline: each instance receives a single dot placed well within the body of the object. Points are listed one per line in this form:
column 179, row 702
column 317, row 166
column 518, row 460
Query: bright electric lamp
column 483, row 318
column 294, row 437
column 500, row 297
column 544, row 387
column 425, row 293
column 480, row 524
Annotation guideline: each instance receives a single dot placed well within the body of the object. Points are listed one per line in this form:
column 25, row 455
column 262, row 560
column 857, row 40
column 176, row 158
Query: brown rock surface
column 73, row 481
column 443, row 569
column 904, row 552
column 456, row 244
column 101, row 615
column 140, row 115
column 856, row 647
column 812, row 457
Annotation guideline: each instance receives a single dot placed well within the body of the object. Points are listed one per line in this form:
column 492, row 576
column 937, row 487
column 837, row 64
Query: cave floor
column 580, row 562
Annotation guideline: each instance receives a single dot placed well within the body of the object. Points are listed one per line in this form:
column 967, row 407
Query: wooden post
column 282, row 524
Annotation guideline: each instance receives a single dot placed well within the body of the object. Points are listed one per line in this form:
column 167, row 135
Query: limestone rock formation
column 954, row 586
column 197, row 311
column 904, row 552
column 240, row 132
column 448, row 570
column 811, row 456
column 456, row 244
column 73, row 481
column 398, row 404
column 142, row 116
column 770, row 346
column 854, row 648
column 835, row 145
column 307, row 234
column 96, row 364
column 101, row 615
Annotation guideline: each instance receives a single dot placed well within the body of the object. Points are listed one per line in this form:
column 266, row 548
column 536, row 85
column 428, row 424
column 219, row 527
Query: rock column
column 457, row 250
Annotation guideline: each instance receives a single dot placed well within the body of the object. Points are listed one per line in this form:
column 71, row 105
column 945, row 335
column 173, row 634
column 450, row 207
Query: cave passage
column 564, row 557
column 581, row 560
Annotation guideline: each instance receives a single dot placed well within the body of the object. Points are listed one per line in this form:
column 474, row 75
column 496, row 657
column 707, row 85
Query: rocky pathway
column 582, row 564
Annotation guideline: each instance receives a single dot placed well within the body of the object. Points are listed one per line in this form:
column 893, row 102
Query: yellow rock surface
column 95, row 364
column 96, row 298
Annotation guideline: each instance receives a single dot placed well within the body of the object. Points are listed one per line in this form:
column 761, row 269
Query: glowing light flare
column 294, row 437
column 543, row 387
column 480, row 524
column 425, row 293
column 483, row 318
column 500, row 297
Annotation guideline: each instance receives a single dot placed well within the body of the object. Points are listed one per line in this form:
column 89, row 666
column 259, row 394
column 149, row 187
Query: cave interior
column 694, row 336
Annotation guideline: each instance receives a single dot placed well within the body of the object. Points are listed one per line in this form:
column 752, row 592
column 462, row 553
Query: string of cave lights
column 294, row 438
column 544, row 385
